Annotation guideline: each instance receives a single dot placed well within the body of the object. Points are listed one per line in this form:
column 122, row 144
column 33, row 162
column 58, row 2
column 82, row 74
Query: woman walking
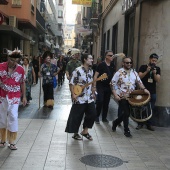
column 29, row 74
column 48, row 72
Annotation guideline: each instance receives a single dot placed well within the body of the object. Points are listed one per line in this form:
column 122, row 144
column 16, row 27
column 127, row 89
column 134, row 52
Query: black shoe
column 149, row 127
column 105, row 121
column 114, row 126
column 139, row 127
column 127, row 134
column 97, row 120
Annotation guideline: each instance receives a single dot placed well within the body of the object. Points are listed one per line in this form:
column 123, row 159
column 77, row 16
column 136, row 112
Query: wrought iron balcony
column 96, row 15
column 96, row 8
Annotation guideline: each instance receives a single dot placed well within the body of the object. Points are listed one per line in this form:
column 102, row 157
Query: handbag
column 54, row 82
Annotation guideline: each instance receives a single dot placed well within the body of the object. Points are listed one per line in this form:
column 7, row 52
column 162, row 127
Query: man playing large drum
column 122, row 84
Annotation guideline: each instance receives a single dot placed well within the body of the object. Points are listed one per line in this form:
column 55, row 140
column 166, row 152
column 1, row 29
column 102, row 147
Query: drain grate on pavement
column 101, row 161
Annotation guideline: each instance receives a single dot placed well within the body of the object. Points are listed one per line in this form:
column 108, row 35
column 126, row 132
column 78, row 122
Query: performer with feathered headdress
column 12, row 82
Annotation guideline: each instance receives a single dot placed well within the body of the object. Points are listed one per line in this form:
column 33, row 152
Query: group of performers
column 120, row 84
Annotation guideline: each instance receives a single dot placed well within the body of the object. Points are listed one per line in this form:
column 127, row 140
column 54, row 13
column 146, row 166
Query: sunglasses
column 128, row 62
column 110, row 55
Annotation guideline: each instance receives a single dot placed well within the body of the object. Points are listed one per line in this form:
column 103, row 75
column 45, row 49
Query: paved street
column 43, row 144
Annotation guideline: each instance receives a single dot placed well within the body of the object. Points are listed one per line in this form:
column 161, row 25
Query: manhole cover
column 101, row 161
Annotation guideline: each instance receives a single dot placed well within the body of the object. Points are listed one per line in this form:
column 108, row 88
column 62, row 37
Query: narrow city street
column 43, row 144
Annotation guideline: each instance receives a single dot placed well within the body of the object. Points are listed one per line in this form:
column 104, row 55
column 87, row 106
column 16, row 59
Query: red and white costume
column 10, row 93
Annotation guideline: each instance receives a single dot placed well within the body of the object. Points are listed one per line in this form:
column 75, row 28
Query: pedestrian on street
column 60, row 64
column 30, row 74
column 122, row 84
column 84, row 103
column 103, row 87
column 73, row 63
column 48, row 71
column 150, row 75
column 12, row 83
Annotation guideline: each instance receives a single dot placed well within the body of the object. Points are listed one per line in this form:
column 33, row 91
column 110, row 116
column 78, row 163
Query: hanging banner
column 82, row 2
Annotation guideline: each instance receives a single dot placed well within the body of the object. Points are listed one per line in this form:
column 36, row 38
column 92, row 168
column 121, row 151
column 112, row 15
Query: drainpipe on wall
column 138, row 47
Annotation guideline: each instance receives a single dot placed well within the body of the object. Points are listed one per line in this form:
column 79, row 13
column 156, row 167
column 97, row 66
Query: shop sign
column 82, row 2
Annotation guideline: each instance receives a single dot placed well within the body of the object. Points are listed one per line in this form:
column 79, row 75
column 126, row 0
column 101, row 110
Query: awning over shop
column 7, row 29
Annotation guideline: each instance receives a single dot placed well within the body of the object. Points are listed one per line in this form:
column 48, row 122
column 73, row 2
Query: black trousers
column 102, row 101
column 36, row 77
column 60, row 74
column 48, row 91
column 123, row 115
column 76, row 115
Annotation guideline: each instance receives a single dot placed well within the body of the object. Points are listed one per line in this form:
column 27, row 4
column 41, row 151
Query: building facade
column 138, row 28
column 19, row 30
column 33, row 26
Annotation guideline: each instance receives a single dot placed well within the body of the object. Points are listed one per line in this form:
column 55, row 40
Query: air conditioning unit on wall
column 13, row 21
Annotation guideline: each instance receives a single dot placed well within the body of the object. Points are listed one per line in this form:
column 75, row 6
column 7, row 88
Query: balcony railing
column 96, row 15
column 40, row 19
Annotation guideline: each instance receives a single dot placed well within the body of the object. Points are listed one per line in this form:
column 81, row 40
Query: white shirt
column 81, row 77
column 124, row 81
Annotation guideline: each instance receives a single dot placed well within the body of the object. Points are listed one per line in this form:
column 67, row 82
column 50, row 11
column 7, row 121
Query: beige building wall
column 151, row 35
column 155, row 38
column 115, row 16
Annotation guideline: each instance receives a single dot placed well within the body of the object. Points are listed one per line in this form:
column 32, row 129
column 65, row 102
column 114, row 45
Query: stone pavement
column 43, row 144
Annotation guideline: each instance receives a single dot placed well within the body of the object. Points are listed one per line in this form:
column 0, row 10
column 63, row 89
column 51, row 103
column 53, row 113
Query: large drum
column 140, row 107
